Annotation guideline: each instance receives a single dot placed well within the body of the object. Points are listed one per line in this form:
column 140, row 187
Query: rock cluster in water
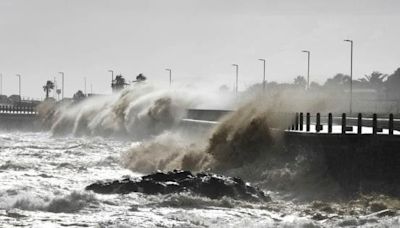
column 203, row 184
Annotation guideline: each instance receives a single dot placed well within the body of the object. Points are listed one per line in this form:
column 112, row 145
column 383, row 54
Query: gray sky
column 199, row 40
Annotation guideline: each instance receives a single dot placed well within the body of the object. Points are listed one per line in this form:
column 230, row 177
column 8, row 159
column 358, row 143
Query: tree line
column 377, row 85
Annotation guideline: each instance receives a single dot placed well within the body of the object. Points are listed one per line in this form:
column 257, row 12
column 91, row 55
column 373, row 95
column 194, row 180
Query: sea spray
column 136, row 112
column 167, row 151
column 247, row 143
column 241, row 138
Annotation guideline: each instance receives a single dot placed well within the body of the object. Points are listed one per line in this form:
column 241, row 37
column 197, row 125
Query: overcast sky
column 198, row 40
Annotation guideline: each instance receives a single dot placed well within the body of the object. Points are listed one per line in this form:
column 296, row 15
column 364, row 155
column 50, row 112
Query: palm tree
column 48, row 87
column 119, row 83
column 140, row 78
column 78, row 96
column 374, row 80
column 300, row 81
column 338, row 81
column 393, row 85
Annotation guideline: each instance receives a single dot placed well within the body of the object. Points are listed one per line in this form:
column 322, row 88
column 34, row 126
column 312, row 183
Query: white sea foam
column 28, row 198
column 138, row 111
column 70, row 203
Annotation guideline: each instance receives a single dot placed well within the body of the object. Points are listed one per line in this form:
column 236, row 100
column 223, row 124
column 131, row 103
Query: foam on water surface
column 43, row 177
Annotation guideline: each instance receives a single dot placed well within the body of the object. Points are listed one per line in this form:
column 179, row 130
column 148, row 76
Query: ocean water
column 42, row 181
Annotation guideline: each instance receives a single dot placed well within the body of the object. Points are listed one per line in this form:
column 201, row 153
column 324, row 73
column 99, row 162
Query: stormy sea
column 44, row 174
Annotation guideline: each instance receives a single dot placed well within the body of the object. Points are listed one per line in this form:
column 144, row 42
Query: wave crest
column 71, row 203
column 137, row 112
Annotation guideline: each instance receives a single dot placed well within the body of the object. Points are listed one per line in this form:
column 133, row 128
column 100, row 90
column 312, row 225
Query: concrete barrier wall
column 368, row 163
column 206, row 114
column 358, row 163
column 19, row 121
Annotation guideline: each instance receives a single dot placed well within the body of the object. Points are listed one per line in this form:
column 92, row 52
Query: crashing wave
column 71, row 203
column 136, row 112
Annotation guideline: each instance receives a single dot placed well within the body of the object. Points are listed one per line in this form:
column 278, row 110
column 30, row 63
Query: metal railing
column 304, row 122
column 7, row 109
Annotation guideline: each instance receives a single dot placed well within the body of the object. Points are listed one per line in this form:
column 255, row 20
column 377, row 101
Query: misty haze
column 197, row 113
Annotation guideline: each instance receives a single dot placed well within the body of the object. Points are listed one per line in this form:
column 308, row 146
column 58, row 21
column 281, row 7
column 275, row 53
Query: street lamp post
column 19, row 86
column 112, row 79
column 308, row 68
column 263, row 60
column 84, row 79
column 112, row 75
column 351, row 75
column 237, row 78
column 1, row 84
column 55, row 86
column 62, row 84
column 170, row 76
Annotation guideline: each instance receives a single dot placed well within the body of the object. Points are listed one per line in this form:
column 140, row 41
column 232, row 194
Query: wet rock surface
column 204, row 184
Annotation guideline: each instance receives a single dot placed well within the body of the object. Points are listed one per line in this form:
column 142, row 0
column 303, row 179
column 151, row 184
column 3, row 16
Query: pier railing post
column 297, row 121
column 359, row 124
column 301, row 121
column 344, row 123
column 292, row 122
column 391, row 124
column 318, row 123
column 329, row 122
column 308, row 121
column 374, row 124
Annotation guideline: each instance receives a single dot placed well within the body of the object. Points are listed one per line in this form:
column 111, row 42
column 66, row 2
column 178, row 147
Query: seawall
column 358, row 163
column 19, row 121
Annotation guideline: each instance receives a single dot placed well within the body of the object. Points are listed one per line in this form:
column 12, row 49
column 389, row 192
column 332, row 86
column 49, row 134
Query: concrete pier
column 359, row 161
column 19, row 122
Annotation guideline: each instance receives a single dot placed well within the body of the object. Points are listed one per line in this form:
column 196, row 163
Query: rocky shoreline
column 203, row 184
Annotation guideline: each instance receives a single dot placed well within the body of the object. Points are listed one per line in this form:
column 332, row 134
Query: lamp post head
column 306, row 51
column 235, row 65
column 262, row 60
column 351, row 41
column 167, row 69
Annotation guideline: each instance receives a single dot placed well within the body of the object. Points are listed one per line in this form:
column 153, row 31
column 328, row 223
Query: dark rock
column 319, row 216
column 203, row 184
column 151, row 187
